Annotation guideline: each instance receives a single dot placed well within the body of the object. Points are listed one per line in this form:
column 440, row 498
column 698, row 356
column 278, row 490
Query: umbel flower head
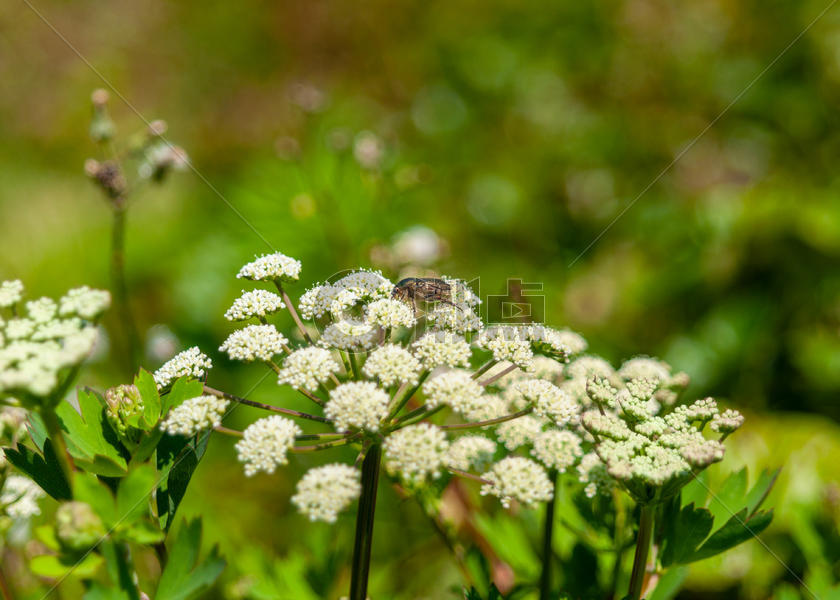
column 392, row 381
column 41, row 345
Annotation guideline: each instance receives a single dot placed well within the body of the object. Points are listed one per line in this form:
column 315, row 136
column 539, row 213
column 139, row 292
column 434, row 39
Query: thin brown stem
column 268, row 407
column 497, row 376
column 325, row 445
column 468, row 475
column 509, row 417
column 292, row 311
column 227, row 431
column 484, row 368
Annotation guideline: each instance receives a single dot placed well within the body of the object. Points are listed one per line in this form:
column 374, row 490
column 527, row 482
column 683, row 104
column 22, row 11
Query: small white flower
column 275, row 266
column 702, row 454
column 254, row 342
column 519, row 432
column 349, row 335
column 195, row 415
column 57, row 328
column 265, row 442
column 507, row 344
column 442, row 348
column 471, row 452
column 727, row 422
column 307, row 367
column 458, row 318
column 392, row 364
column 520, row 479
column 593, row 472
column 316, row 301
column 41, row 310
column 643, row 367
column 323, row 492
column 388, row 312
column 357, row 404
column 20, row 496
column 543, row 367
column 456, row 389
column 587, row 367
column 488, row 407
column 549, row 400
column 11, row 292
column 557, row 449
column 84, row 302
column 189, row 363
column 255, row 303
column 606, row 425
column 416, row 452
column 17, row 329
column 558, row 343
column 368, row 285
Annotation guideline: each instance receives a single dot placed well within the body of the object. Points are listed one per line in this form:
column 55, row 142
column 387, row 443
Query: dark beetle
column 426, row 289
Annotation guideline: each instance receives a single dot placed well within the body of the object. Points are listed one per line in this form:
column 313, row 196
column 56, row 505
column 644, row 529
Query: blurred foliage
column 532, row 139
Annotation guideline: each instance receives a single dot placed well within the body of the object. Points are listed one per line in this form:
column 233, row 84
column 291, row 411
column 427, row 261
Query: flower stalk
column 548, row 541
column 364, row 523
column 637, row 576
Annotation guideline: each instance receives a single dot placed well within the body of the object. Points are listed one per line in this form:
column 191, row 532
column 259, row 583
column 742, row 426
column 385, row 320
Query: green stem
column 548, row 538
column 354, row 365
column 510, row 417
column 484, row 368
column 364, row 524
column 268, row 407
column 618, row 540
column 120, row 287
column 637, row 576
column 56, row 435
column 400, row 404
column 415, row 416
column 291, row 308
column 124, row 570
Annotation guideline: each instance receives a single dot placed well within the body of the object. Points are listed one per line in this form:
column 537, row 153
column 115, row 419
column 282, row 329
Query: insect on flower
column 426, row 289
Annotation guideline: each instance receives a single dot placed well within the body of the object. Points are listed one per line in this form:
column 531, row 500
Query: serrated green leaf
column 729, row 498
column 760, row 490
column 90, row 439
column 144, row 532
column 177, row 459
column 37, row 430
column 88, row 488
column 100, row 592
column 696, row 491
column 738, row 529
column 186, row 577
column 686, row 530
column 145, row 383
column 134, row 492
column 43, row 470
column 54, row 566
column 183, row 389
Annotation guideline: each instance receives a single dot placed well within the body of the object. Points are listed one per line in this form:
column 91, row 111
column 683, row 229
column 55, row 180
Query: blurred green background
column 516, row 134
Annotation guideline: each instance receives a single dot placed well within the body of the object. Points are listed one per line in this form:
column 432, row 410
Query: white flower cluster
column 195, row 415
column 557, row 449
column 507, row 344
column 459, row 318
column 442, row 349
column 471, row 452
column 271, row 267
column 357, row 404
column 254, row 303
column 518, row 478
column 265, row 442
column 389, row 313
column 192, row 362
column 392, row 364
column 19, row 497
column 357, row 287
column 255, row 342
column 325, row 491
column 455, row 388
column 307, row 367
column 519, row 432
column 84, row 302
column 416, row 453
column 549, row 401
column 34, row 350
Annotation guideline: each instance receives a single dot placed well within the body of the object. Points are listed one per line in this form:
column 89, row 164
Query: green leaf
column 99, row 592
column 177, row 459
column 147, row 446
column 133, row 493
column 120, row 571
column 729, row 497
column 53, row 566
column 697, row 490
column 151, row 399
column 685, row 531
column 737, row 530
column 145, row 533
column 185, row 576
column 90, row 439
column 510, row 541
column 43, row 470
column 46, row 535
column 88, row 488
column 760, row 490
column 37, row 430
column 182, row 389
column 669, row 584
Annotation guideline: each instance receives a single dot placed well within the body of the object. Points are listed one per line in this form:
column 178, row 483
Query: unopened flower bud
column 99, row 97
column 77, row 527
column 157, row 128
column 124, row 410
